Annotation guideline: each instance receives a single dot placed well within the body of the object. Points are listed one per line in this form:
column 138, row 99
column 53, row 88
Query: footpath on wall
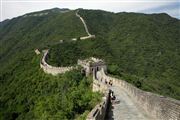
column 131, row 103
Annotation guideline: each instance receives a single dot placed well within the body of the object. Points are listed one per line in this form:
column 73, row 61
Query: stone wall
column 92, row 64
column 84, row 23
column 99, row 111
column 87, row 37
column 160, row 107
column 99, row 86
column 51, row 69
column 85, row 27
column 58, row 70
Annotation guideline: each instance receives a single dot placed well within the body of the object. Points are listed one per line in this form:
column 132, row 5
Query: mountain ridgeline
column 139, row 48
column 143, row 49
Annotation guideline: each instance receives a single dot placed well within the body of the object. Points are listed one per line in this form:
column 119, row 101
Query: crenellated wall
column 51, row 69
column 58, row 70
column 99, row 111
column 99, row 86
column 92, row 64
column 160, row 107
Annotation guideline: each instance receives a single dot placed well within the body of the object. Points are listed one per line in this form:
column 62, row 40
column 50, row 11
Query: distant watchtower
column 92, row 64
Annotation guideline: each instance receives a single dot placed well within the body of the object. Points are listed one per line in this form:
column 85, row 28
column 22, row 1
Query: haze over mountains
column 140, row 48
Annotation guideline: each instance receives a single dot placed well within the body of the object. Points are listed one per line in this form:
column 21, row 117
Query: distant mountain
column 137, row 47
column 140, row 48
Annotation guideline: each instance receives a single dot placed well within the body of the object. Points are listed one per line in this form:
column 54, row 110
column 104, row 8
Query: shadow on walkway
column 110, row 115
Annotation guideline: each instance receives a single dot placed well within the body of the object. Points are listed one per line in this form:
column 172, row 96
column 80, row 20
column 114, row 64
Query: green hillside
column 27, row 33
column 139, row 48
column 26, row 92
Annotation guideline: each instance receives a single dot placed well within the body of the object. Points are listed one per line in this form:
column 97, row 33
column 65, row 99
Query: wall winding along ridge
column 51, row 69
column 58, row 70
column 85, row 27
column 160, row 107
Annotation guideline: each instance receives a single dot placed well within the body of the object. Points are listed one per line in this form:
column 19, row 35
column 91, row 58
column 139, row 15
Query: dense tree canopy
column 142, row 49
column 32, row 94
column 26, row 92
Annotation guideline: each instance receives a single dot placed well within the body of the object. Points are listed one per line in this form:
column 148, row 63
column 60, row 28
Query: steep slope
column 26, row 92
column 142, row 49
column 143, row 46
column 30, row 32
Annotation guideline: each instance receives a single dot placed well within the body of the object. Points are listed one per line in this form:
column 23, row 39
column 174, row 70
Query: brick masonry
column 160, row 107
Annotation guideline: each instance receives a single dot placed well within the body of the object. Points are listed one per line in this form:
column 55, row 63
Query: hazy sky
column 14, row 8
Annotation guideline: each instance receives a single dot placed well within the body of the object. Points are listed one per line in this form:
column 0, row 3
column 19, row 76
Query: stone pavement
column 124, row 107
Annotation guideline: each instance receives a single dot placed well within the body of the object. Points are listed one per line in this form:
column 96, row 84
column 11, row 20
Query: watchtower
column 92, row 64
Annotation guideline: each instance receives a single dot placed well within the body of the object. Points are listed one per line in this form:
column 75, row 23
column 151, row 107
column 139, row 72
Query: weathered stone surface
column 131, row 103
column 158, row 107
column 124, row 107
column 99, row 111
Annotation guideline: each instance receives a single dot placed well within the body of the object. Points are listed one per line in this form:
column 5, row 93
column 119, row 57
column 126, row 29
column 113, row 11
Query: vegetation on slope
column 26, row 92
column 142, row 49
column 29, row 93
column 27, row 33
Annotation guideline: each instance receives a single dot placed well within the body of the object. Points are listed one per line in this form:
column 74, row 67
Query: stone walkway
column 124, row 107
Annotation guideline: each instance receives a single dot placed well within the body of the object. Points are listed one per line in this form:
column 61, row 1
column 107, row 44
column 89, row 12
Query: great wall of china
column 156, row 107
column 85, row 27
column 52, row 69
column 58, row 70
column 131, row 103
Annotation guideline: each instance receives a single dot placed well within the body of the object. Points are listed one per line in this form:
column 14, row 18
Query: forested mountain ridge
column 22, row 33
column 145, row 46
column 26, row 92
column 139, row 48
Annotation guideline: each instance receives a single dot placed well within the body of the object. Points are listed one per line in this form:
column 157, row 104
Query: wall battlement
column 92, row 64
column 58, row 70
column 160, row 107
column 99, row 111
column 51, row 69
